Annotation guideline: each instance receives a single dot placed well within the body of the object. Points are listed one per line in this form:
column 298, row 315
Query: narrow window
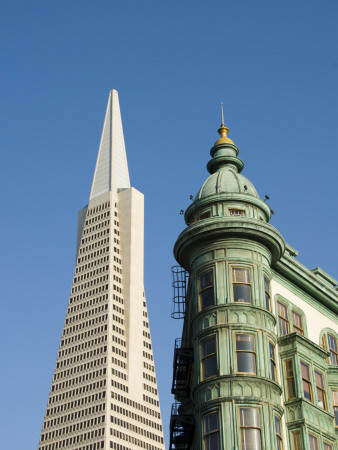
column 267, row 293
column 335, row 405
column 279, row 442
column 321, row 396
column 306, row 380
column 241, row 285
column 272, row 361
column 205, row 215
column 283, row 319
column 327, row 446
column 206, row 289
column 313, row 441
column 211, row 431
column 296, row 440
column 208, row 358
column 250, row 429
column 332, row 341
column 297, row 321
column 236, row 212
column 245, row 351
column 290, row 380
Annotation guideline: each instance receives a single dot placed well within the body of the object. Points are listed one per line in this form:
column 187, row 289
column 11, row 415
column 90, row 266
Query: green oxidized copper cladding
column 224, row 189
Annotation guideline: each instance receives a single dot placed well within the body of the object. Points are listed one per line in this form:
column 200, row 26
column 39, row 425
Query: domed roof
column 226, row 180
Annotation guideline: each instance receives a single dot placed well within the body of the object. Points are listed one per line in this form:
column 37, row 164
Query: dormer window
column 236, row 212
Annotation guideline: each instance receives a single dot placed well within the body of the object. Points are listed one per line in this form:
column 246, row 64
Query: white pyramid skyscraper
column 104, row 391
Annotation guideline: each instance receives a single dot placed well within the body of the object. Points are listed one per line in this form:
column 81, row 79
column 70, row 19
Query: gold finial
column 223, row 131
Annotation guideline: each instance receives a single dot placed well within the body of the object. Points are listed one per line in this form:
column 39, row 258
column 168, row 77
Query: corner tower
column 104, row 390
column 238, row 377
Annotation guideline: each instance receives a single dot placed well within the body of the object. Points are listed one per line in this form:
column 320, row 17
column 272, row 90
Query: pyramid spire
column 111, row 171
column 104, row 391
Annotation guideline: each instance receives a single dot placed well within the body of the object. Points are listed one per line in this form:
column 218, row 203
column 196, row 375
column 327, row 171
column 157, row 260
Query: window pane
column 267, row 302
column 297, row 319
column 307, row 390
column 212, row 441
column 206, row 280
column 297, row 440
column 211, row 431
column 242, row 293
column 207, row 297
column 282, row 310
column 321, row 398
column 272, row 361
column 273, row 371
column 327, row 446
column 332, row 342
column 313, row 442
column 266, row 285
column 210, row 366
column 277, row 425
column 208, row 346
column 250, row 439
column 241, row 275
column 210, row 422
column 291, row 388
column 245, row 342
column 290, row 379
column 246, row 362
column 335, row 412
column 279, row 443
column 289, row 368
column 319, row 379
column 335, row 397
column 283, row 326
column 249, row 417
column 305, row 370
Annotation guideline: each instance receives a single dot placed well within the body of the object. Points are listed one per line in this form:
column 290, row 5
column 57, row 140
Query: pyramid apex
column 111, row 171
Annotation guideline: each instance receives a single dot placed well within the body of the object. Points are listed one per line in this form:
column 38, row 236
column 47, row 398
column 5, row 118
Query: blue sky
column 274, row 65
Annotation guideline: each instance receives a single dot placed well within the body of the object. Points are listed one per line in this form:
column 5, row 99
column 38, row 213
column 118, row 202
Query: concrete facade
column 104, row 391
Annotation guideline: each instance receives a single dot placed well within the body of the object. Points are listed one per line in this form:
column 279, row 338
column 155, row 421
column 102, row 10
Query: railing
column 181, row 428
column 183, row 359
column 180, row 285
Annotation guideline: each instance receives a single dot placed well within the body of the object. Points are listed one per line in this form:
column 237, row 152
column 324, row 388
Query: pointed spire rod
column 222, row 114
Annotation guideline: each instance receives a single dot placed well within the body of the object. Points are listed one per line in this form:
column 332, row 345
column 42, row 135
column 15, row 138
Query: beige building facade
column 104, row 391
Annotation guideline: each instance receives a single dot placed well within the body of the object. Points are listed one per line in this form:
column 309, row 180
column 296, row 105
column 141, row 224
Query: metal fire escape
column 181, row 429
column 183, row 360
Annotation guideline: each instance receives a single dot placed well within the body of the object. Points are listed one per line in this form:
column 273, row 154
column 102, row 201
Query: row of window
column 231, row 212
column 241, row 288
column 245, row 356
column 135, row 429
column 308, row 374
column 133, row 440
column 91, row 264
column 136, row 405
column 140, row 418
column 93, row 237
column 250, row 432
column 91, row 256
column 290, row 319
column 246, row 364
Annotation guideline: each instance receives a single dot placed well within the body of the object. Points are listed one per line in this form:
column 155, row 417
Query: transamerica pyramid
column 104, row 390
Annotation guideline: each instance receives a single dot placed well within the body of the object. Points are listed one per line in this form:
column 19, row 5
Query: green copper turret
column 228, row 382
